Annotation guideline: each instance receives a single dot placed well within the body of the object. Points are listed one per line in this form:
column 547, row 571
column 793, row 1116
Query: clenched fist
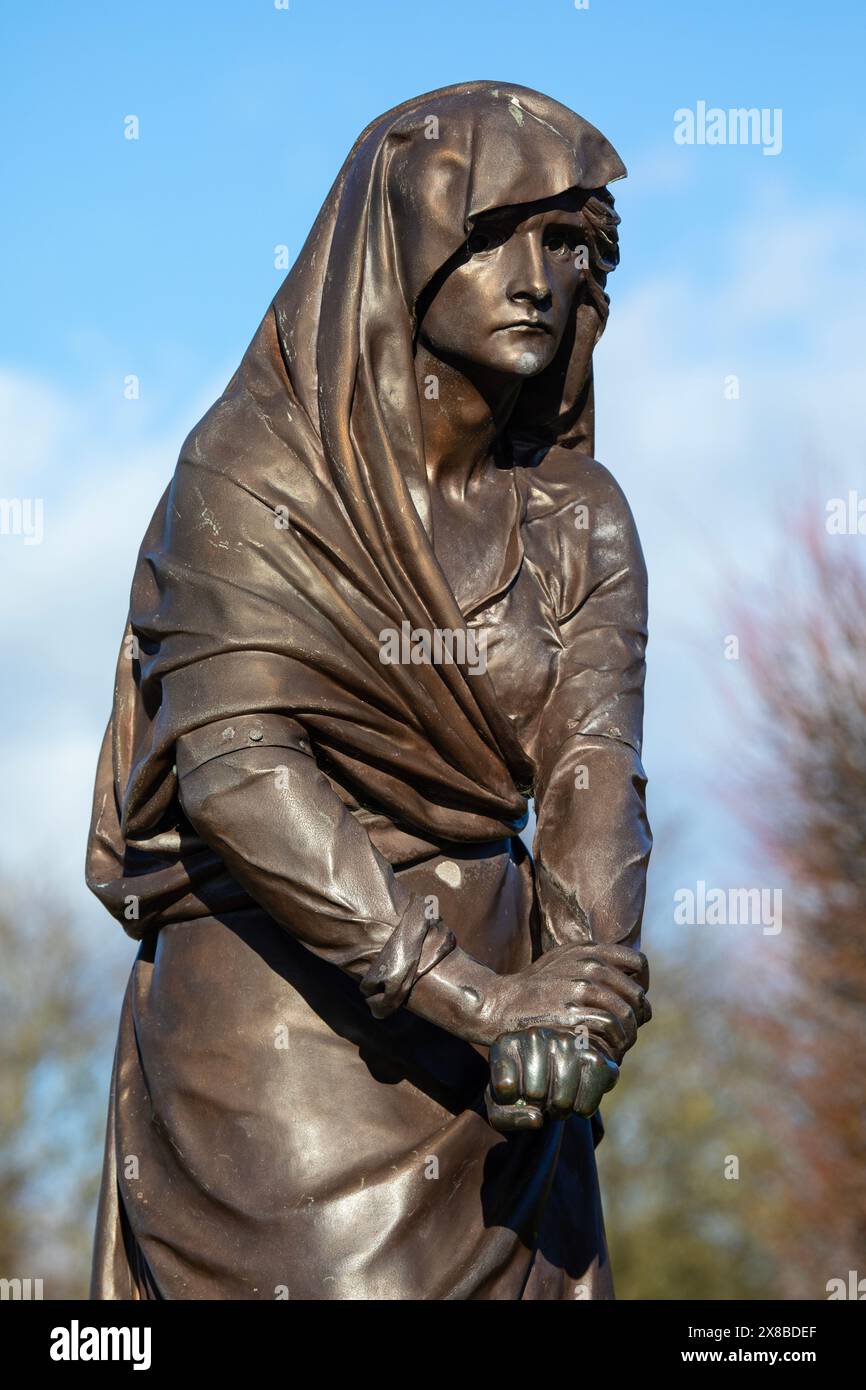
column 545, row 1071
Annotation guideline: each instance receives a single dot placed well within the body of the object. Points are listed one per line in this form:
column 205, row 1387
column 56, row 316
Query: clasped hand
column 567, row 1021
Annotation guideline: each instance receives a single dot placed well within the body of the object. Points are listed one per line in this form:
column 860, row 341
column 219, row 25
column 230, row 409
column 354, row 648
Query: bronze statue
column 388, row 596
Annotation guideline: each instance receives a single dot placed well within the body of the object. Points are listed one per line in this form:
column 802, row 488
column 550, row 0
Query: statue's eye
column 561, row 241
column 484, row 240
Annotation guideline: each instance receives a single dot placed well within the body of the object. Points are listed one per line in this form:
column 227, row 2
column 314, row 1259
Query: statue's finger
column 617, row 957
column 626, row 986
column 506, row 1070
column 535, row 1057
column 598, row 1075
column 511, row 1119
column 609, row 1001
column 565, row 1070
column 597, row 1021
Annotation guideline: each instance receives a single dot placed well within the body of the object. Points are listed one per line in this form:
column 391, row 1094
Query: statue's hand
column 596, row 989
column 545, row 1071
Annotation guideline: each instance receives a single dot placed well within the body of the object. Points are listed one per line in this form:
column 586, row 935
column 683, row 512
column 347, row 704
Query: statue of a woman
column 387, row 597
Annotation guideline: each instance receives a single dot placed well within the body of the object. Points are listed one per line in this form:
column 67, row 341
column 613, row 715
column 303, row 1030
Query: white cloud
column 100, row 472
column 712, row 481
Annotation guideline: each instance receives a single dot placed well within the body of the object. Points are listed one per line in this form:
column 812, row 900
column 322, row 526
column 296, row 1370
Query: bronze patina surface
column 387, row 597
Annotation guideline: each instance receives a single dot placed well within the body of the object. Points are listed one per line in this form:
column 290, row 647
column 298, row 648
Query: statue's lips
column 526, row 326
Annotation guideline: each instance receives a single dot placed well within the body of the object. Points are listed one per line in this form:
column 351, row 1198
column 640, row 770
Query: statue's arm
column 592, row 840
column 291, row 843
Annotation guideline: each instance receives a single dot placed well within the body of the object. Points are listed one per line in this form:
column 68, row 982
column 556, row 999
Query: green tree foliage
column 58, row 1016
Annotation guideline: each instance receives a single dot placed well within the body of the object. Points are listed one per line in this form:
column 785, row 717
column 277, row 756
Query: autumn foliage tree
column 804, row 643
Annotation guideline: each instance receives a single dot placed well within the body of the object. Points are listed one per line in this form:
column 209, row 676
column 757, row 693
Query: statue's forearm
column 592, row 845
column 289, row 841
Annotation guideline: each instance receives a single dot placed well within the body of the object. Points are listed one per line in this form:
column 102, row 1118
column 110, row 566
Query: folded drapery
column 274, row 800
column 297, row 527
column 389, row 981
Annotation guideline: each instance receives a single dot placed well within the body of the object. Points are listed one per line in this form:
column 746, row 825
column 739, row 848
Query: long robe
column 268, row 1135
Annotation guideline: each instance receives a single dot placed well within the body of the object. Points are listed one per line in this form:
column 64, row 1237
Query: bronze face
column 506, row 303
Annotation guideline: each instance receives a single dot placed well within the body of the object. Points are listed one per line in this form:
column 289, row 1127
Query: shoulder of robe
column 569, row 495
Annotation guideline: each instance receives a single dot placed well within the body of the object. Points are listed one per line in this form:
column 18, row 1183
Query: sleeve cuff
column 223, row 736
column 415, row 946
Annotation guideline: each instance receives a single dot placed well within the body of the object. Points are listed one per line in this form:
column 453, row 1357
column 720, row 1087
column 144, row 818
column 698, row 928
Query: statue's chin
column 524, row 360
column 530, row 363
column 527, row 362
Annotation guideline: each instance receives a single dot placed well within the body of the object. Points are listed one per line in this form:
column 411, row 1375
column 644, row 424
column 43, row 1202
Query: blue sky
column 156, row 257
column 159, row 252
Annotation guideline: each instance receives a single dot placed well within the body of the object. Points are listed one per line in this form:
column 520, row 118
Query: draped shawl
column 297, row 526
